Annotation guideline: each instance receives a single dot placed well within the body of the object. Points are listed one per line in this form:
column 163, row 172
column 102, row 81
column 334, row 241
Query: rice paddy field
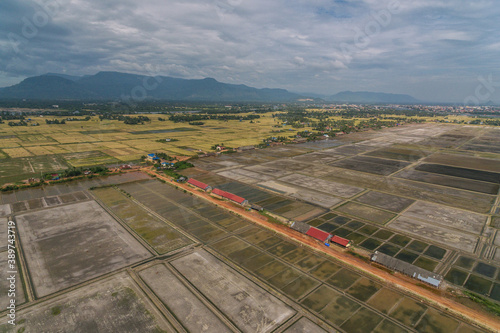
column 30, row 150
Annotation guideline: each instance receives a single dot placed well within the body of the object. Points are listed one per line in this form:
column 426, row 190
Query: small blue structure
column 152, row 157
column 167, row 164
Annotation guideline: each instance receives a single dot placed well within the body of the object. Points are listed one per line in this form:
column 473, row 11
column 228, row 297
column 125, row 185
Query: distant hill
column 65, row 76
column 115, row 85
column 46, row 87
column 371, row 97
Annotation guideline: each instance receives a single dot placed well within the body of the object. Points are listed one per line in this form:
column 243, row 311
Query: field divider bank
column 24, row 271
column 156, row 301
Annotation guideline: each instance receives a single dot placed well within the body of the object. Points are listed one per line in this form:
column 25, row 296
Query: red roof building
column 318, row 234
column 230, row 196
column 340, row 241
column 199, row 184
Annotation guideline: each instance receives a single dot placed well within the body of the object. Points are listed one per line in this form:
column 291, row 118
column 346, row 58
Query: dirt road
column 399, row 281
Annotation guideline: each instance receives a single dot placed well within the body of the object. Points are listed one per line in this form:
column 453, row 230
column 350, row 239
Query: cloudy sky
column 434, row 50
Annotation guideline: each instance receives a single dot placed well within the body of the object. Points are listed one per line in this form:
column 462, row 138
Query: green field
column 96, row 142
column 88, row 158
column 17, row 169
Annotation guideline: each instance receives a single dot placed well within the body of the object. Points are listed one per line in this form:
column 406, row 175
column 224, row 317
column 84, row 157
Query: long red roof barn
column 341, row 241
column 197, row 183
column 318, row 234
column 229, row 196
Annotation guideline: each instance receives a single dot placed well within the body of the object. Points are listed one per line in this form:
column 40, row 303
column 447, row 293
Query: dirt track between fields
column 397, row 280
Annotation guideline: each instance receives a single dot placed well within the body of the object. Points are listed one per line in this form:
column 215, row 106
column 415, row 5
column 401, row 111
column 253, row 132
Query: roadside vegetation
column 484, row 302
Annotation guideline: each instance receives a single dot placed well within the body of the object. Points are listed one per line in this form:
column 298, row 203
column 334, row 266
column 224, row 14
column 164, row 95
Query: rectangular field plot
column 485, row 176
column 162, row 237
column 329, row 187
column 363, row 321
column 445, row 141
column 384, row 300
column 385, row 201
column 5, row 284
column 408, row 312
column 299, row 211
column 5, row 210
column 436, row 322
column 331, row 305
column 268, row 170
column 373, row 165
column 278, row 187
column 319, row 157
column 481, row 148
column 447, row 217
column 317, row 198
column 286, row 165
column 15, row 169
column 401, row 154
column 304, row 325
column 250, row 307
column 67, row 245
column 444, row 235
column 449, row 181
column 113, row 305
column 245, row 176
column 80, row 159
column 248, row 192
column 366, row 212
column 193, row 314
column 348, row 150
column 465, row 161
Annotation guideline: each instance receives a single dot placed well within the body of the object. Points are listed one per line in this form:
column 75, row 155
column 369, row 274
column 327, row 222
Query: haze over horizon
column 442, row 51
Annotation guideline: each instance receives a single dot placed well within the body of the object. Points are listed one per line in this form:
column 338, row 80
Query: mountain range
column 115, row 85
column 124, row 86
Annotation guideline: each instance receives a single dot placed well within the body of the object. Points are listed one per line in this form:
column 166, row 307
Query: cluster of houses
column 155, row 159
column 223, row 149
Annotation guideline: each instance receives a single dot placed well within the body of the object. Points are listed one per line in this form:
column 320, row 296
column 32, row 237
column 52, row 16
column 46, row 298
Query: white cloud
column 291, row 44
